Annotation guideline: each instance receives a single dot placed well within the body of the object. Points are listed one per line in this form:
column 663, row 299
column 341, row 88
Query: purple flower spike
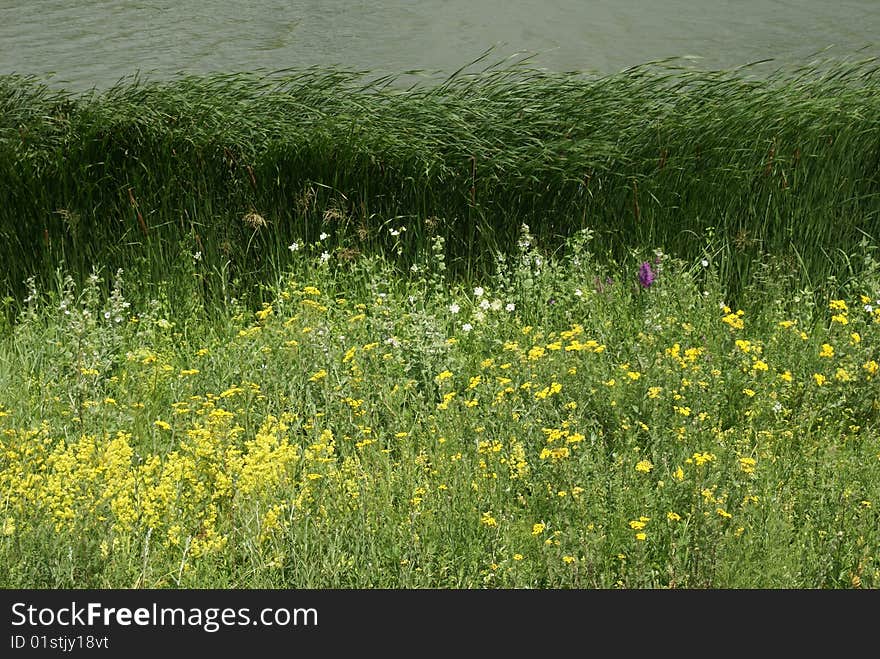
column 646, row 275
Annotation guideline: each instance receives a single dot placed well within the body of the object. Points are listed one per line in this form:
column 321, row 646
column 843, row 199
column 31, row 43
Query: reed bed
column 232, row 169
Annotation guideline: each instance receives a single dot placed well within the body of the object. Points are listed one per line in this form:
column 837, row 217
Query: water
column 94, row 43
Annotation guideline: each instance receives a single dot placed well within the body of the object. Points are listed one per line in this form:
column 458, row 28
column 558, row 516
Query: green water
column 95, row 43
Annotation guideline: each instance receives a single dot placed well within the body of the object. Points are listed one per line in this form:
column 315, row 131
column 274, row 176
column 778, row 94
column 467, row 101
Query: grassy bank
column 235, row 168
column 512, row 329
column 562, row 423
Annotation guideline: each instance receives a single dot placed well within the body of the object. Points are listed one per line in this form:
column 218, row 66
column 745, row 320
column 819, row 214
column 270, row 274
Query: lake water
column 94, row 43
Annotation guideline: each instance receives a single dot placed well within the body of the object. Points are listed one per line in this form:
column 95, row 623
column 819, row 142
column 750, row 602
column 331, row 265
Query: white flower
column 705, row 263
column 484, row 304
column 478, row 291
column 293, row 247
column 107, row 315
column 197, row 256
column 496, row 305
column 467, row 327
column 510, row 306
column 479, row 316
column 578, row 292
column 323, row 236
column 454, row 308
column 325, row 256
column 869, row 308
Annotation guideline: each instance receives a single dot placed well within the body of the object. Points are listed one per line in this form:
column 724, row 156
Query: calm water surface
column 93, row 43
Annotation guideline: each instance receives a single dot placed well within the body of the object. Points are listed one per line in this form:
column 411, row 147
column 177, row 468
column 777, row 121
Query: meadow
column 518, row 330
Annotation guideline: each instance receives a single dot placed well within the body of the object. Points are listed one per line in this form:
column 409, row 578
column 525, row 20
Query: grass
column 662, row 155
column 557, row 425
column 310, row 329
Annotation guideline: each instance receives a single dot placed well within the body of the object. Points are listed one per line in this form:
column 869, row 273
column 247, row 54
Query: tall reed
column 724, row 163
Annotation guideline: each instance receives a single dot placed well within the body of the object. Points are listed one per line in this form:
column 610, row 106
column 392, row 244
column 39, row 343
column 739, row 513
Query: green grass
column 312, row 329
column 686, row 160
column 365, row 429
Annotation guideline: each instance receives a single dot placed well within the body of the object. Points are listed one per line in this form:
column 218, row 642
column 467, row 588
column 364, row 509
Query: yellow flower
column 557, row 453
column 703, row 458
column 855, row 337
column 488, row 520
column 678, row 474
column 654, row 392
column 723, row 513
column 538, row 529
column 785, row 377
column 837, row 305
column 164, row 425
column 569, row 559
column 819, row 378
column 645, row 466
column 871, row 367
column 826, row 351
column 641, row 537
column 265, row 312
column 839, row 318
column 748, row 465
column 320, row 375
column 518, row 557
column 733, row 319
column 535, row 353
column 554, row 388
column 673, row 517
